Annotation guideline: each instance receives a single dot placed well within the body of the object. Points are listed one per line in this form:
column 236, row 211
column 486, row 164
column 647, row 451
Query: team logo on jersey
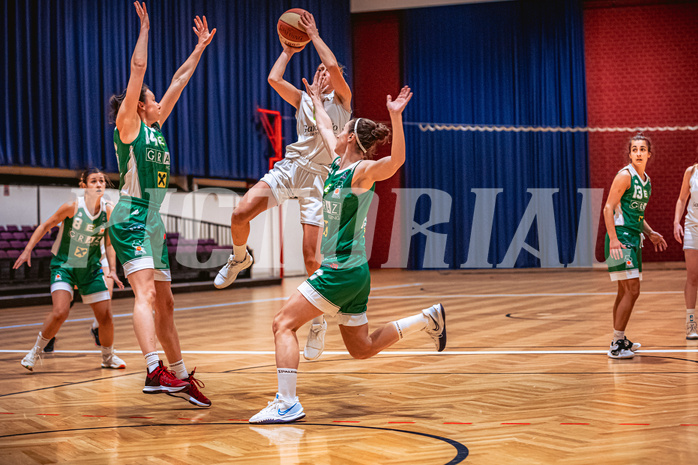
column 58, row 277
column 101, row 230
column 80, row 251
column 138, row 249
column 336, row 192
column 162, row 179
column 334, row 266
column 629, row 262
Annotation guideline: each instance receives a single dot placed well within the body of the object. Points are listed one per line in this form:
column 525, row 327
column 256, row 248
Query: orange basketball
column 290, row 29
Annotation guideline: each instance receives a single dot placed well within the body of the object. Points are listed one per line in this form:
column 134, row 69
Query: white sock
column 41, row 341
column 318, row 320
column 239, row 252
column 618, row 335
column 95, row 325
column 179, row 369
column 411, row 324
column 152, row 361
column 690, row 315
column 287, row 382
column 107, row 350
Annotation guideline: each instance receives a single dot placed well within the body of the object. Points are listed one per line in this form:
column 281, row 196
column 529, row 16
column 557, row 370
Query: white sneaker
column 280, row 411
column 30, row 359
column 691, row 330
column 316, row 341
column 621, row 349
column 230, row 270
column 436, row 328
column 112, row 361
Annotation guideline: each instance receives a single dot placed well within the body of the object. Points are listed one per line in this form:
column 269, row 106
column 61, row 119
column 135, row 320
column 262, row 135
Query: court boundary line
column 387, row 352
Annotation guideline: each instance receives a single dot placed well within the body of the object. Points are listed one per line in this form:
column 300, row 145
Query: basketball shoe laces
column 168, row 376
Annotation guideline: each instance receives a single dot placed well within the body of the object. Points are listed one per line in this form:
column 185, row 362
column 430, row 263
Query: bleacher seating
column 186, row 257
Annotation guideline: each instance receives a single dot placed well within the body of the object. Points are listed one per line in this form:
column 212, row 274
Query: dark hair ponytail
column 369, row 134
column 116, row 100
column 640, row 136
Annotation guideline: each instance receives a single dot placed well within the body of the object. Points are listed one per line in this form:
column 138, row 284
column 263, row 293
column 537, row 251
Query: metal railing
column 189, row 228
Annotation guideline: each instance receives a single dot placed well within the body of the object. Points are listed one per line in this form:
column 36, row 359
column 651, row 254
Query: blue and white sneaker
column 279, row 411
column 436, row 328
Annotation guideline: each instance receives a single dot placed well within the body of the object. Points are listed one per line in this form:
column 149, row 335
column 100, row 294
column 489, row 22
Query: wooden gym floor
column 524, row 380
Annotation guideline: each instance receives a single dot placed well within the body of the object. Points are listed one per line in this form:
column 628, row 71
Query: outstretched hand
column 398, row 105
column 314, row 90
column 657, row 239
column 308, row 22
column 288, row 49
column 143, row 14
column 201, row 31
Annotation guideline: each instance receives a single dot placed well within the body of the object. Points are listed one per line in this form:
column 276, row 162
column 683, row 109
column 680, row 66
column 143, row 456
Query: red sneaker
column 192, row 393
column 163, row 380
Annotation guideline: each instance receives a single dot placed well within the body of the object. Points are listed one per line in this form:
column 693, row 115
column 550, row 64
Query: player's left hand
column 201, row 31
column 658, row 241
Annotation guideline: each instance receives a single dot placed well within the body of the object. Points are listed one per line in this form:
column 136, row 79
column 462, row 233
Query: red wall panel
column 642, row 71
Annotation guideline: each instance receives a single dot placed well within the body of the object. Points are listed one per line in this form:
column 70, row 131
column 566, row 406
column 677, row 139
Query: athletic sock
column 41, row 341
column 239, row 252
column 287, row 382
column 107, row 350
column 617, row 335
column 411, row 324
column 318, row 320
column 152, row 361
column 179, row 369
column 690, row 315
column 95, row 324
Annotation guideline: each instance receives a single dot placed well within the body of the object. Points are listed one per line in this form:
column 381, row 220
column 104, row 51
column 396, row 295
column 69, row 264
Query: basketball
column 290, row 29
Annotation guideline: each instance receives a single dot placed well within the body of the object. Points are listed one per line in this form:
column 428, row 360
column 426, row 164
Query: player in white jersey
column 688, row 235
column 300, row 175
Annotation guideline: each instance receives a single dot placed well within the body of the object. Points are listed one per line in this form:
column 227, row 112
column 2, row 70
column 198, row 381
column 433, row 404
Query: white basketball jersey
column 308, row 150
column 692, row 214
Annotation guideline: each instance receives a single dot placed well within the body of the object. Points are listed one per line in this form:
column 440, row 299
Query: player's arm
column 341, row 88
column 67, row 210
column 684, row 193
column 127, row 120
column 110, row 253
column 185, row 72
column 656, row 238
column 371, row 171
column 621, row 183
column 285, row 89
column 322, row 119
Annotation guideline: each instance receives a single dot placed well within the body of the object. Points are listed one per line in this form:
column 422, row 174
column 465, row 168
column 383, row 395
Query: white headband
column 357, row 136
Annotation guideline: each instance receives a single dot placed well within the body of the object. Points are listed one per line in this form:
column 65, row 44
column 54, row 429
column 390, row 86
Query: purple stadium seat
column 19, row 236
column 44, row 244
column 4, row 245
column 209, row 248
column 174, row 235
column 42, row 253
column 2, row 229
column 27, row 228
column 6, row 236
column 13, row 254
column 172, row 242
column 17, row 245
column 12, row 228
column 3, row 254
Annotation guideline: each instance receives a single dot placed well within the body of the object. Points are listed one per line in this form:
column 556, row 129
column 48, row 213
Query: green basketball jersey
column 144, row 165
column 630, row 213
column 78, row 241
column 343, row 239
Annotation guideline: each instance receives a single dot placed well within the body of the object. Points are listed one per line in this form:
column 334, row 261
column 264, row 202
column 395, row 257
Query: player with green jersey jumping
column 340, row 287
column 137, row 231
column 624, row 215
column 76, row 262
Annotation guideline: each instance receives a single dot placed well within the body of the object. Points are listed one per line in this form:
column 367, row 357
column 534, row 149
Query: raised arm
column 127, row 120
column 371, row 171
column 322, row 119
column 66, row 210
column 285, row 89
column 185, row 72
column 621, row 183
column 681, row 203
column 341, row 88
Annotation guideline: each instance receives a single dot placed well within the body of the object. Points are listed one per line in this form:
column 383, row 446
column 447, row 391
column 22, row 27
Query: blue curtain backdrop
column 62, row 60
column 496, row 64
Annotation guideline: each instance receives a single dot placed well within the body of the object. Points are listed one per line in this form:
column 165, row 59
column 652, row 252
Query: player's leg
column 103, row 315
column 285, row 407
column 60, row 297
column 256, row 201
column 691, row 288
